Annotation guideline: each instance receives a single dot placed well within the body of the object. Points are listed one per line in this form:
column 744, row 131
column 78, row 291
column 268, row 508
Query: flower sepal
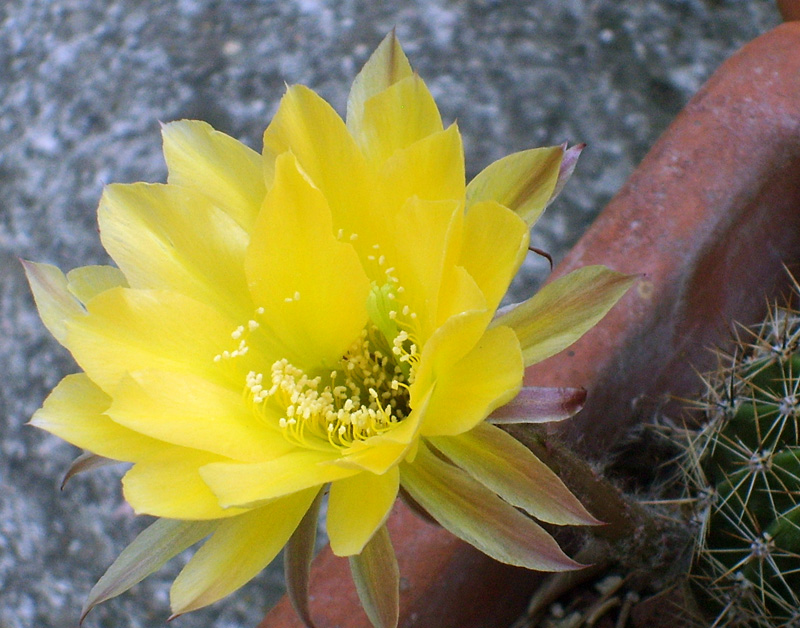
column 540, row 404
column 161, row 541
column 564, row 310
column 297, row 557
column 377, row 580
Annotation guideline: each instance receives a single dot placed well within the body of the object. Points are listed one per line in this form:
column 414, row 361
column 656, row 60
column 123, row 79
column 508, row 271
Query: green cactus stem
column 742, row 471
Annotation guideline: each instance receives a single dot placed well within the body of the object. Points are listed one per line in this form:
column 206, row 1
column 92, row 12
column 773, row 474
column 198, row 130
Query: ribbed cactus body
column 743, row 471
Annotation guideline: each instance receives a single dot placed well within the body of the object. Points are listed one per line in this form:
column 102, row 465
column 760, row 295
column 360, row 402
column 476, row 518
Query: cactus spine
column 742, row 471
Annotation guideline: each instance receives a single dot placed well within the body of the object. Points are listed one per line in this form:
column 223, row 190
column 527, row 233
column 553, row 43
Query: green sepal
column 297, row 557
column 147, row 553
column 478, row 516
column 504, row 465
column 564, row 310
column 87, row 461
column 377, row 579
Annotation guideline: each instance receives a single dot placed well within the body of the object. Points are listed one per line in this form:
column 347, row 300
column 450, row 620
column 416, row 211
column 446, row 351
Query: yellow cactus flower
column 322, row 316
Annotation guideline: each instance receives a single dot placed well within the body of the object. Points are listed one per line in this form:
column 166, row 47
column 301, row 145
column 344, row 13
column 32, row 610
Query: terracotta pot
column 790, row 9
column 707, row 220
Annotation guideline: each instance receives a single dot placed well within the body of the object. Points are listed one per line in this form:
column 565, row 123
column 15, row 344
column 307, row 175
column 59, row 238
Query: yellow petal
column 431, row 169
column 308, row 127
column 241, row 484
column 311, row 286
column 449, row 343
column 187, row 410
column 87, row 282
column 458, row 294
column 130, row 330
column 523, row 182
column 168, row 237
column 75, row 411
column 397, row 117
column 169, row 485
column 427, row 239
column 237, row 551
column 504, row 465
column 217, row 166
column 357, row 507
column 484, row 379
column 385, row 67
column 495, row 245
column 376, row 455
column 56, row 304
column 564, row 310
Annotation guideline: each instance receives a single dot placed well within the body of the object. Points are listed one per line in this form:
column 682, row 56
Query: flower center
column 364, row 397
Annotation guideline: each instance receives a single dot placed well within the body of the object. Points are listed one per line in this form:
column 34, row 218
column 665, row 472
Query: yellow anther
column 334, row 413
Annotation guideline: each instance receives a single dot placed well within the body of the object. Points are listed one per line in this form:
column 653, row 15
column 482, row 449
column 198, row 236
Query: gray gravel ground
column 83, row 84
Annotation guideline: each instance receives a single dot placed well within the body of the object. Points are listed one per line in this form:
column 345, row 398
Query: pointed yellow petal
column 458, row 294
column 523, row 182
column 431, row 169
column 240, row 484
column 129, row 330
column 484, row 379
column 168, row 237
column 377, row 579
column 385, row 67
column 449, row 343
column 504, row 465
column 237, row 551
column 309, row 128
column 494, row 247
column 217, row 166
column 169, row 485
column 357, row 507
column 376, row 455
column 427, row 238
column 87, row 282
column 478, row 516
column 56, row 304
column 397, row 117
column 75, row 411
column 564, row 310
column 311, row 285
column 187, row 410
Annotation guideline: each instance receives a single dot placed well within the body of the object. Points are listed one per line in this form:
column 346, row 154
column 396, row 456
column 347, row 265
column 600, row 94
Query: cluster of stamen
column 366, row 396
